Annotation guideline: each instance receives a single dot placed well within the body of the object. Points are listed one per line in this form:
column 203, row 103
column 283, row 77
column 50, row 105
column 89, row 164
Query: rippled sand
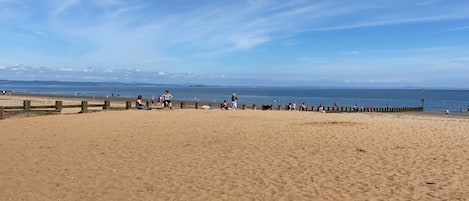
column 234, row 155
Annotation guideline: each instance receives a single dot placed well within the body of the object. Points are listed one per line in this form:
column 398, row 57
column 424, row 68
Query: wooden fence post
column 1, row 112
column 279, row 107
column 58, row 106
column 84, row 106
column 107, row 105
column 128, row 105
column 244, row 106
column 182, row 105
column 196, row 105
column 27, row 105
column 254, row 106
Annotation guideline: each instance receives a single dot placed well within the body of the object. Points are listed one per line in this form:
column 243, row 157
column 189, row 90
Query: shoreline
column 440, row 100
column 17, row 97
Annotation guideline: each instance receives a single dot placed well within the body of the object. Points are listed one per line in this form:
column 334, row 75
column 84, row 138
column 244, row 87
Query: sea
column 433, row 100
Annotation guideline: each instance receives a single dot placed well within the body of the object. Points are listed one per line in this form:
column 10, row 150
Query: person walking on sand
column 234, row 101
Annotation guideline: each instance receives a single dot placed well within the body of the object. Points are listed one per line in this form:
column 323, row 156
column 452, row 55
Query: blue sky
column 379, row 43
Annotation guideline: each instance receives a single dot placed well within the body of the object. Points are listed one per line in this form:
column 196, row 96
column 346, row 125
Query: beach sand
column 234, row 155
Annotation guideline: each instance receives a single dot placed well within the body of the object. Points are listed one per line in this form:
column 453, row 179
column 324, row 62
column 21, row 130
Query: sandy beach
column 188, row 154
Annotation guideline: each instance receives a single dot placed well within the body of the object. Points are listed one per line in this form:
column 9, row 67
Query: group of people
column 234, row 103
column 304, row 107
column 292, row 107
column 165, row 99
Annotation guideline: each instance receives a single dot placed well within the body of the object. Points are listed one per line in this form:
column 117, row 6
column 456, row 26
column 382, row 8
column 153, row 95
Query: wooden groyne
column 27, row 108
column 85, row 107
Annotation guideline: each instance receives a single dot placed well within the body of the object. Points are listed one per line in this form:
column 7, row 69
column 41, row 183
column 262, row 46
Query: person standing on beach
column 167, row 98
column 234, row 101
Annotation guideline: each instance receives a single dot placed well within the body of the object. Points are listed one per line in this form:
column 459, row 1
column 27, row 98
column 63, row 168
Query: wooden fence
column 85, row 107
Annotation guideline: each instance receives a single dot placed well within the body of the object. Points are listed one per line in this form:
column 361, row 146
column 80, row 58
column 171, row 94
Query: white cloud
column 65, row 69
column 124, row 34
column 460, row 28
column 121, row 11
column 350, row 52
column 312, row 60
column 41, row 34
column 61, row 6
column 249, row 41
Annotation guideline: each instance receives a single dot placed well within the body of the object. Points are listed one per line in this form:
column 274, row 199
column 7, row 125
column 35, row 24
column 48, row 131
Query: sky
column 369, row 43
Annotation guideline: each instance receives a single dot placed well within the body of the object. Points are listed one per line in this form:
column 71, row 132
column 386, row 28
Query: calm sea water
column 457, row 101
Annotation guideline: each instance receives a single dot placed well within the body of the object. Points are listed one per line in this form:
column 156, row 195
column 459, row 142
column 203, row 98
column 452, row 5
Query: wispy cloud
column 168, row 38
column 460, row 28
column 61, row 6
column 350, row 52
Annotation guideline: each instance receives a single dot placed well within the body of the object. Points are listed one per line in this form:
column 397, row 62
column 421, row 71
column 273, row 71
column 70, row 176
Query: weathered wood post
column 182, row 105
column 2, row 110
column 254, row 106
column 244, row 106
column 27, row 105
column 58, row 106
column 128, row 105
column 279, row 107
column 84, row 106
column 107, row 105
column 196, row 106
column 221, row 105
